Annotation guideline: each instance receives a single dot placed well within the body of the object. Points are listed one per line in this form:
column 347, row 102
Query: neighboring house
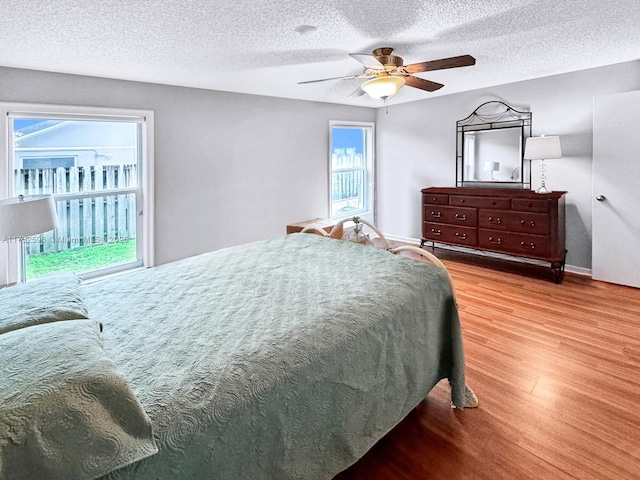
column 58, row 143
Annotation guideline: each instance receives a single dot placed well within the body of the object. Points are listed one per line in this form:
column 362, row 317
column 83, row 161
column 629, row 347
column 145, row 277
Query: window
column 97, row 164
column 351, row 176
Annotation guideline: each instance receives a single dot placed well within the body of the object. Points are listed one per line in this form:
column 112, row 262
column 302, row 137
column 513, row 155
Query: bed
column 285, row 358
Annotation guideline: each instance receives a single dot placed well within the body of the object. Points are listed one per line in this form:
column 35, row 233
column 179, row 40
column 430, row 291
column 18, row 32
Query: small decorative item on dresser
column 519, row 223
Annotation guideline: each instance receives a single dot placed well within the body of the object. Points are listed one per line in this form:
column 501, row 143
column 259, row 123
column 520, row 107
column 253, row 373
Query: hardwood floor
column 556, row 369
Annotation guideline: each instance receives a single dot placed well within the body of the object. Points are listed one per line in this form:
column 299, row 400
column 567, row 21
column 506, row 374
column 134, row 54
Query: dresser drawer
column 525, row 205
column 435, row 199
column 467, row 217
column 525, row 222
column 514, row 243
column 480, row 202
column 439, row 232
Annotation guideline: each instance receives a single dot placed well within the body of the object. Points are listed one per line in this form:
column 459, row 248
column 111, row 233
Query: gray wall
column 416, row 146
column 229, row 168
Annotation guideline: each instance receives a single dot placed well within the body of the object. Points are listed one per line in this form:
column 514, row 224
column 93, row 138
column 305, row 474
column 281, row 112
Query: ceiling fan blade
column 421, row 83
column 367, row 60
column 327, row 79
column 358, row 92
column 452, row 62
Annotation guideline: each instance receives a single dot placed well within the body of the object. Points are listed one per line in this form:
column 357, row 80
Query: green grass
column 81, row 259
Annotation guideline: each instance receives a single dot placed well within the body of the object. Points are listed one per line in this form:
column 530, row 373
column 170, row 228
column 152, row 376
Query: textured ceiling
column 252, row 46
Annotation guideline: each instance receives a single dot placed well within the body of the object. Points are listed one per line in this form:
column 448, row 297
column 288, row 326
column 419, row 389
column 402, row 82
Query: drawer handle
column 436, row 232
column 433, row 199
column 531, row 245
column 531, row 223
column 436, row 214
column 497, row 220
column 461, row 217
column 497, row 241
column 462, row 236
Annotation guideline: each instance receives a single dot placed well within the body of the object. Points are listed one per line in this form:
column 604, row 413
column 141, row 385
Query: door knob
column 601, row 198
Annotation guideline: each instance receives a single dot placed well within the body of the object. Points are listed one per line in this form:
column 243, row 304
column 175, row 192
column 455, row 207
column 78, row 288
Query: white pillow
column 43, row 300
column 64, row 411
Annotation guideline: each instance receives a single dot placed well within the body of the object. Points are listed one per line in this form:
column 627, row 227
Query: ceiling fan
column 386, row 73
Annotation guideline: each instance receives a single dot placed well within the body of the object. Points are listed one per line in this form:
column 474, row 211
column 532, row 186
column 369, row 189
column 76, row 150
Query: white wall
column 229, row 168
column 416, row 146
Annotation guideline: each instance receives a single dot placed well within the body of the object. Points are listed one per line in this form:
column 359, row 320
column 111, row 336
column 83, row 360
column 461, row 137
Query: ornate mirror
column 490, row 148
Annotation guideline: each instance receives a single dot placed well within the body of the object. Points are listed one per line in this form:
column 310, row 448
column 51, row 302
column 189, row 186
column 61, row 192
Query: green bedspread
column 284, row 358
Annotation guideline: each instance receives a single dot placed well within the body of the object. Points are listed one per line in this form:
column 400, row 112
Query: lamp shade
column 27, row 216
column 383, row 87
column 542, row 148
column 491, row 166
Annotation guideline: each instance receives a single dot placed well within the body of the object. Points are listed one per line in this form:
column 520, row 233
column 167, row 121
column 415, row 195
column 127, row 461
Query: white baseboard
column 415, row 241
column 578, row 270
column 399, row 238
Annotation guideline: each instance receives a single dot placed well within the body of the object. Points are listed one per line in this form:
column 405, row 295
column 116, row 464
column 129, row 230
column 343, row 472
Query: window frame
column 144, row 191
column 369, row 213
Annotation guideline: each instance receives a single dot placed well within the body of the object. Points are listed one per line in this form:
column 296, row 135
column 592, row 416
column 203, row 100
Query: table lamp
column 492, row 167
column 542, row 148
column 22, row 217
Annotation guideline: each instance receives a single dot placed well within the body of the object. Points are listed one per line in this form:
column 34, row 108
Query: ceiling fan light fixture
column 383, row 87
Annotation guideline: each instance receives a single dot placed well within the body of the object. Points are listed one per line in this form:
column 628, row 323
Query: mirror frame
column 493, row 115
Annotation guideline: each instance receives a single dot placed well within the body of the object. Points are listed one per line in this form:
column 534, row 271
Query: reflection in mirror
column 493, row 155
column 490, row 148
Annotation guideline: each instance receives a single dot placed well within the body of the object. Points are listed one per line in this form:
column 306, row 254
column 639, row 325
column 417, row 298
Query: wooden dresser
column 520, row 223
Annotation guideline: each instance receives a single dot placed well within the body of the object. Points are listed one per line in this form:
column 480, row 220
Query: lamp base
column 23, row 261
column 543, row 178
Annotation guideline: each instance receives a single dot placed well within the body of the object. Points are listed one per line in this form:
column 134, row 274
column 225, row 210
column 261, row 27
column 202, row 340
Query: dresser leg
column 558, row 269
column 424, row 241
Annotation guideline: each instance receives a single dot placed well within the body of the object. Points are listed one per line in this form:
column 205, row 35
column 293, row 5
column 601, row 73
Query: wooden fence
column 347, row 184
column 86, row 221
column 348, row 175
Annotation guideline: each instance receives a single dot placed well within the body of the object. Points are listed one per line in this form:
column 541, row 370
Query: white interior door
column 616, row 189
